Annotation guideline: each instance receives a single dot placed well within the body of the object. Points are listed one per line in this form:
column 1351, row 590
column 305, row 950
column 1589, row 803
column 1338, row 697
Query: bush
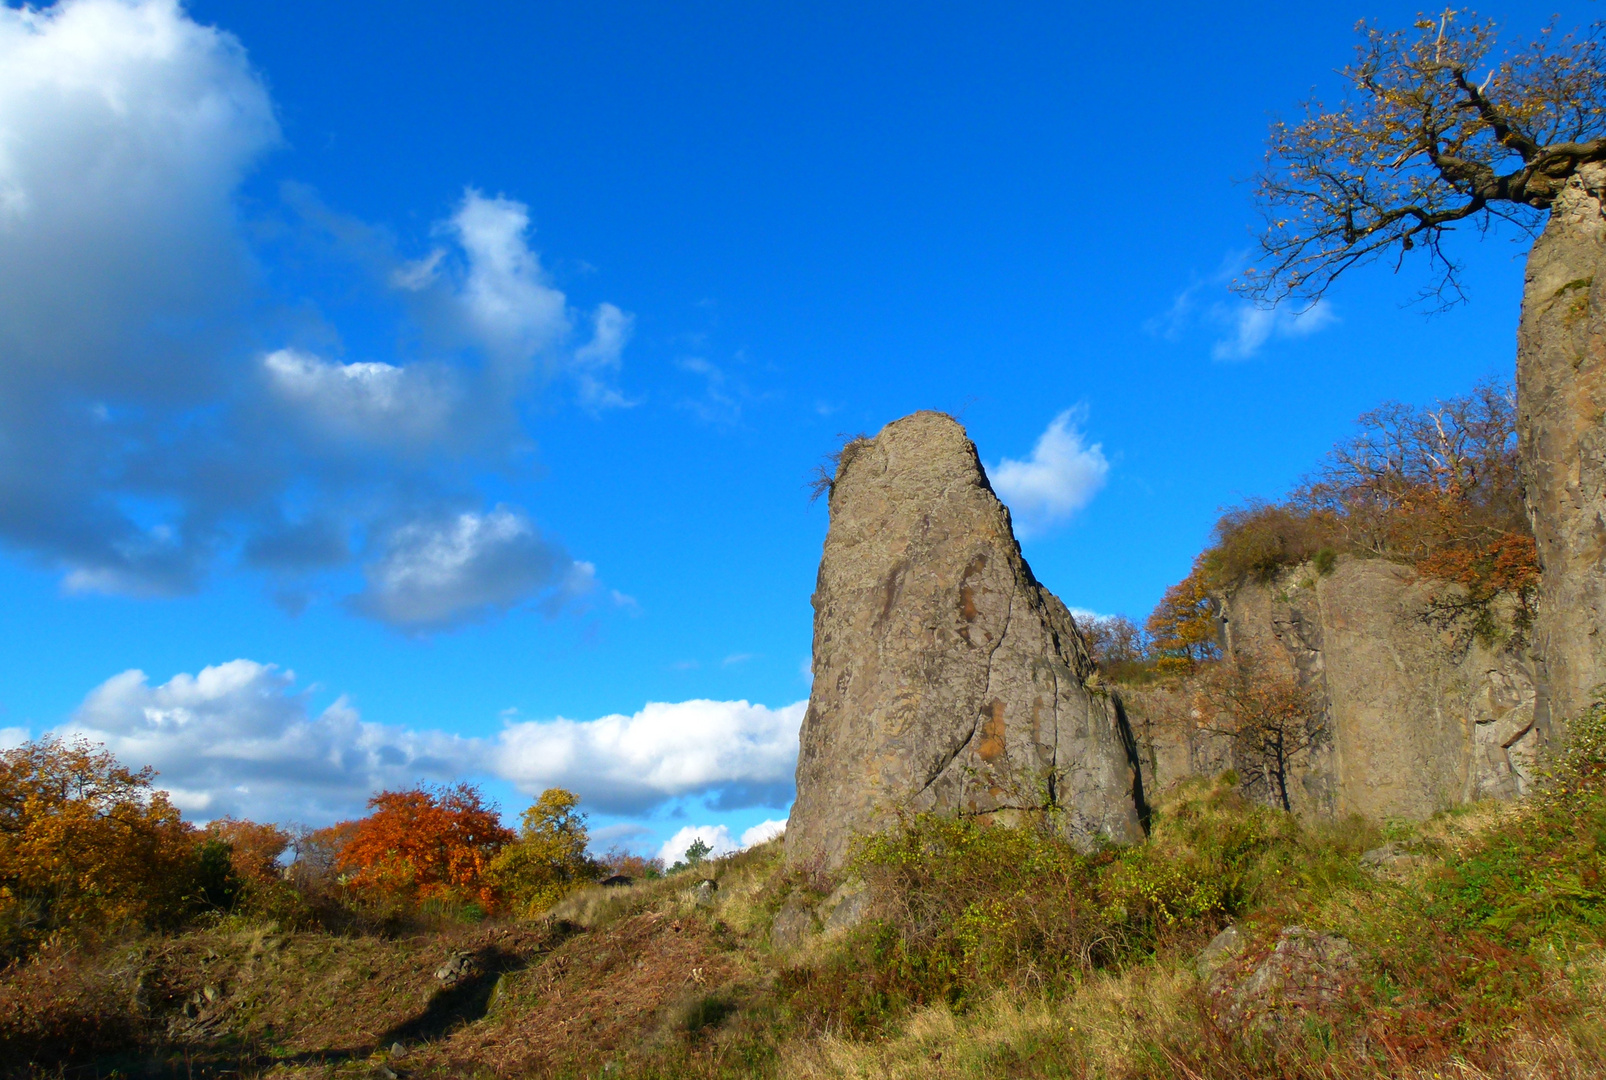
column 962, row 909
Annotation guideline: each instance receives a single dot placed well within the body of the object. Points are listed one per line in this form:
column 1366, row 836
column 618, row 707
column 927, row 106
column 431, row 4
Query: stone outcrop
column 1561, row 399
column 1418, row 715
column 1303, row 975
column 945, row 677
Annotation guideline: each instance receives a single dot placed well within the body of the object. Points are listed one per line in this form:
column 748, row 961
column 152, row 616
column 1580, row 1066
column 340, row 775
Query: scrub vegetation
column 984, row 950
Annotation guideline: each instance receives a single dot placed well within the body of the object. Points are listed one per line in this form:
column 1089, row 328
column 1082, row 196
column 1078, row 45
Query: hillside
column 1472, row 945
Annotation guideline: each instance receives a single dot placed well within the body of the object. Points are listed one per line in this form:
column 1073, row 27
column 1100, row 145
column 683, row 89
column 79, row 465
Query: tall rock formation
column 945, row 677
column 1419, row 714
column 1561, row 399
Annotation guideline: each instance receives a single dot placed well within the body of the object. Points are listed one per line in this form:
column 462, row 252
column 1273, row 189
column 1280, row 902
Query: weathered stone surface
column 846, row 907
column 945, row 677
column 1304, row 974
column 1561, row 398
column 1419, row 716
column 793, row 923
column 1222, row 948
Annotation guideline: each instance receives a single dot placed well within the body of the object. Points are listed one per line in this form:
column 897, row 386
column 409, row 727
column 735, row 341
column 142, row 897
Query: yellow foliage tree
column 1183, row 625
column 549, row 858
column 86, row 845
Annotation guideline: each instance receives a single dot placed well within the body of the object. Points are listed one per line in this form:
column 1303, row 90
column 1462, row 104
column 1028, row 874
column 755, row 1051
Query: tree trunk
column 1561, row 398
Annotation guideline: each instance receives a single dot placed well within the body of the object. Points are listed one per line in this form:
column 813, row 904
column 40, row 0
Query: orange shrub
column 425, row 845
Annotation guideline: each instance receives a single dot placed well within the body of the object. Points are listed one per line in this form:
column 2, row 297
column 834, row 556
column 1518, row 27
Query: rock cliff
column 945, row 677
column 1419, row 715
column 1561, row 398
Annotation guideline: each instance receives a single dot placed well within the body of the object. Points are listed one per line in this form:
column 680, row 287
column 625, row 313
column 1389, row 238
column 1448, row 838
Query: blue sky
column 399, row 392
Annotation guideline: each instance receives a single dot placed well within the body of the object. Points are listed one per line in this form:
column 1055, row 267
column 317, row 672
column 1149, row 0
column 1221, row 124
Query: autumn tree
column 86, row 844
column 1119, row 646
column 549, row 857
column 1441, row 129
column 1437, row 127
column 254, row 848
column 1182, row 627
column 1271, row 719
column 425, row 844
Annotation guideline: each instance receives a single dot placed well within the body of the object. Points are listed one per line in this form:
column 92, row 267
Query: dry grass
column 1105, row 1027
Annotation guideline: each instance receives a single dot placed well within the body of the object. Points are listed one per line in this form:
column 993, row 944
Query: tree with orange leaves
column 86, row 845
column 426, row 845
column 1183, row 625
column 254, row 848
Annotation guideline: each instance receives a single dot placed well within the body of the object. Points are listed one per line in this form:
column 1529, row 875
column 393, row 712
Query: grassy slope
column 991, row 953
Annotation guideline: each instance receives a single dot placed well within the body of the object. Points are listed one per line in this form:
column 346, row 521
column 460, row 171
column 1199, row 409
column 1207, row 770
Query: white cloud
column 238, row 739
column 598, row 361
column 440, row 572
column 1062, row 476
column 374, row 401
column 762, row 832
column 1251, row 327
column 145, row 438
column 12, row 737
column 717, row 837
column 125, row 128
column 746, row 754
column 508, row 300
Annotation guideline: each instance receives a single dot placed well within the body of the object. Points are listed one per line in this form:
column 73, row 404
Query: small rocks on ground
column 459, row 967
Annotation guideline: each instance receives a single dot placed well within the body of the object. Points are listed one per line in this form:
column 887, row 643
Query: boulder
column 793, row 923
column 946, row 678
column 845, row 908
column 1222, row 948
column 1304, row 974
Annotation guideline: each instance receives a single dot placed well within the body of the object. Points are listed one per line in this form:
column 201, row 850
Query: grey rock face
column 1419, row 717
column 945, row 677
column 1222, row 948
column 1561, row 399
column 793, row 924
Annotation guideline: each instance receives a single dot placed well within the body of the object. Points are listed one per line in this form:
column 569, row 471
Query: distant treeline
column 89, row 848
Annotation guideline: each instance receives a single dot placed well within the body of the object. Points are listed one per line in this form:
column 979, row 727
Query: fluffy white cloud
column 1251, row 327
column 124, row 129
column 238, row 739
column 746, row 755
column 1062, row 476
column 12, row 737
column 443, row 571
column 378, row 402
column 762, row 832
column 145, row 439
column 506, row 296
column 717, row 837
